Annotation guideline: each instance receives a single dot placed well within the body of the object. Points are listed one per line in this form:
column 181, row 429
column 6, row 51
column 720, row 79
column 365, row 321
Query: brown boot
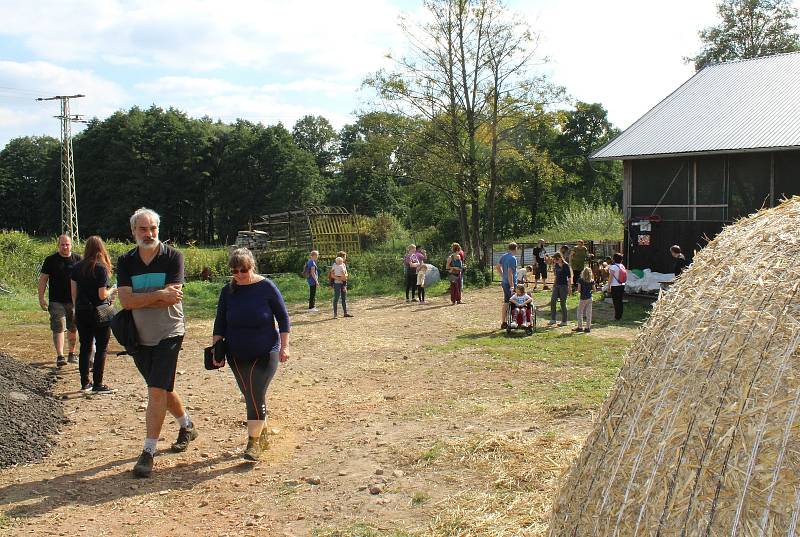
column 253, row 450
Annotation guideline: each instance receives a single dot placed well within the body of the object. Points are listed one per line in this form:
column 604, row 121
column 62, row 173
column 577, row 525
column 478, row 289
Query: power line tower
column 69, row 207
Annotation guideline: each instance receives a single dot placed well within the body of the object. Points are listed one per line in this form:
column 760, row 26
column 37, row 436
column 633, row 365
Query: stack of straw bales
column 701, row 433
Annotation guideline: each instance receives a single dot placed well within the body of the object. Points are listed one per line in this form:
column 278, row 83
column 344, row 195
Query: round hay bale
column 701, row 433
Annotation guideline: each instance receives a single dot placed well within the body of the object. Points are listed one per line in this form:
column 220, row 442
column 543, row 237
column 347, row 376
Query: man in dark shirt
column 55, row 275
column 680, row 260
column 540, row 253
column 150, row 282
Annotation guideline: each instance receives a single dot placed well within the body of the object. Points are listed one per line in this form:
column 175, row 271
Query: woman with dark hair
column 248, row 309
column 618, row 275
column 91, row 287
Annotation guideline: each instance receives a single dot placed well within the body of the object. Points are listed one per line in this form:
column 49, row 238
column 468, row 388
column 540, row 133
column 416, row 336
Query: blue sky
column 271, row 61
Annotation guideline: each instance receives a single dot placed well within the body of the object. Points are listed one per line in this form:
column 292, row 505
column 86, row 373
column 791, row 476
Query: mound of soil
column 29, row 414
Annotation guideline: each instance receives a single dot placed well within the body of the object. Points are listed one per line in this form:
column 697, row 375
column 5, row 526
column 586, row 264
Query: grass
column 360, row 529
column 419, row 498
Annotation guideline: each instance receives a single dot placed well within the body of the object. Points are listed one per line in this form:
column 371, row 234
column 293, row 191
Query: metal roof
column 745, row 105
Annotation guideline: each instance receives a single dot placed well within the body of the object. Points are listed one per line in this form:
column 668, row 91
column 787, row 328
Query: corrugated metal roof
column 742, row 105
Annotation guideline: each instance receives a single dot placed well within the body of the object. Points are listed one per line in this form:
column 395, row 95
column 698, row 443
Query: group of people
column 337, row 279
column 571, row 273
column 251, row 318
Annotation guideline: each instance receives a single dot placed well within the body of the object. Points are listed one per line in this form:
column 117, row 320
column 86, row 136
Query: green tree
column 748, row 29
column 316, row 135
column 26, row 164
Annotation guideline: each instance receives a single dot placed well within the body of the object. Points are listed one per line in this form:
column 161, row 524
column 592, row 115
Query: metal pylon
column 69, row 206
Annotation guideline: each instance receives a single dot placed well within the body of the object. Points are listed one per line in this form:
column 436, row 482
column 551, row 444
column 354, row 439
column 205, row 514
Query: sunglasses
column 239, row 271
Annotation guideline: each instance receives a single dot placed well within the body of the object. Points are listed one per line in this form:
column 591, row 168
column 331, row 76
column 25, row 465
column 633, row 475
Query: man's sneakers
column 72, row 359
column 86, row 388
column 143, row 466
column 313, row 310
column 61, row 361
column 551, row 322
column 103, row 390
column 184, row 437
column 347, row 315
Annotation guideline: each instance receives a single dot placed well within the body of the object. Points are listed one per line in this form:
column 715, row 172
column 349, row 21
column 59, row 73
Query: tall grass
column 579, row 220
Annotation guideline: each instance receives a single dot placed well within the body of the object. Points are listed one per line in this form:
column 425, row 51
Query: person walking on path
column 618, row 275
column 455, row 269
column 249, row 306
column 540, row 253
column 586, row 284
column 339, row 271
column 312, row 278
column 410, row 264
column 577, row 261
column 680, row 260
column 91, row 287
column 507, row 267
column 150, row 279
column 561, row 275
column 55, row 277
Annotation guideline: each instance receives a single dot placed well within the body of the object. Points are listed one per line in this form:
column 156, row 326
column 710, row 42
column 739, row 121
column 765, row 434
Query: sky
column 269, row 60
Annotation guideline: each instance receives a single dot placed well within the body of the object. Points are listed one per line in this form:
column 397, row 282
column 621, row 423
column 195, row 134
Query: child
column 339, row 271
column 586, row 284
column 522, row 274
column 422, row 270
column 521, row 302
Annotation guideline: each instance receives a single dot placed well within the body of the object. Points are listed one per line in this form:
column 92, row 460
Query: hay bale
column 701, row 433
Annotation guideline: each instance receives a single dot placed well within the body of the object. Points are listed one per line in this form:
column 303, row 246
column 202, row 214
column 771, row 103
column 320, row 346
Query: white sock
column 184, row 421
column 150, row 445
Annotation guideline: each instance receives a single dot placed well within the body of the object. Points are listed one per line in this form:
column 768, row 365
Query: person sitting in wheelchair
column 521, row 307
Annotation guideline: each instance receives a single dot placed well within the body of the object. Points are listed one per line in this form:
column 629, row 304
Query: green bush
column 382, row 230
column 586, row 222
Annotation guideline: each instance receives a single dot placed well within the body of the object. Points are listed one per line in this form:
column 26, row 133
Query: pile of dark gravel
column 30, row 415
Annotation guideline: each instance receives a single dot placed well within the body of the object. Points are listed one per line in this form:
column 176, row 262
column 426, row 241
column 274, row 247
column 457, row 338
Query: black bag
column 124, row 329
column 453, row 277
column 103, row 314
column 218, row 351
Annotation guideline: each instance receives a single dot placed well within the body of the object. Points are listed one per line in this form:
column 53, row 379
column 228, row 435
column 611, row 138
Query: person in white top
column 339, row 273
column 618, row 275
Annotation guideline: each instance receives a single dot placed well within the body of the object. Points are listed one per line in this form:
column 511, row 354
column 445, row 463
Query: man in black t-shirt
column 55, row 275
column 540, row 253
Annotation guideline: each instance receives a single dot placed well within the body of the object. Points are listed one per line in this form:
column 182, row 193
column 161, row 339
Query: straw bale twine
column 701, row 433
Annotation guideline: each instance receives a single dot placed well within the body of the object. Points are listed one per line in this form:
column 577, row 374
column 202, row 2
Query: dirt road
column 377, row 401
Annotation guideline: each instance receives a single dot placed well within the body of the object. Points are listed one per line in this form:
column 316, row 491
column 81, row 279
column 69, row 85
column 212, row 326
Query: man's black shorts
column 157, row 364
column 576, row 274
column 541, row 270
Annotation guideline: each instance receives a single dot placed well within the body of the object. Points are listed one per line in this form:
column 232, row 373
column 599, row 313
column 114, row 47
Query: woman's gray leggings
column 339, row 291
column 559, row 293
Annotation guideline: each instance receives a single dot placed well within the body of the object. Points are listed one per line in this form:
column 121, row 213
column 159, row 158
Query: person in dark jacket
column 248, row 308
column 91, row 287
column 680, row 260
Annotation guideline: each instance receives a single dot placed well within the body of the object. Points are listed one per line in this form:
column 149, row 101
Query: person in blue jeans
column 507, row 267
column 339, row 273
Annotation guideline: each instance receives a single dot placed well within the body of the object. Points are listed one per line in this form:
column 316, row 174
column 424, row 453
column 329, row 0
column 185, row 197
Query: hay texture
column 701, row 433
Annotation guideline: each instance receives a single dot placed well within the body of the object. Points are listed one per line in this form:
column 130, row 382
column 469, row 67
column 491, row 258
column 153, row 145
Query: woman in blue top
column 247, row 310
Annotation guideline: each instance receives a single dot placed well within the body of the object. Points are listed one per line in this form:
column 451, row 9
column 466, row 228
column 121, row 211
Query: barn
column 723, row 145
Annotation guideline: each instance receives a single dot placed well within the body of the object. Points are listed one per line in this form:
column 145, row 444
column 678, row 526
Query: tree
column 25, row 178
column 316, row 135
column 466, row 72
column 748, row 29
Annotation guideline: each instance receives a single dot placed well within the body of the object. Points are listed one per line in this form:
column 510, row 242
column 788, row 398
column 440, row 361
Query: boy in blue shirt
column 311, row 273
column 507, row 267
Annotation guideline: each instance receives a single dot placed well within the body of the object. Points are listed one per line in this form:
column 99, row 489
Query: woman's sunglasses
column 239, row 271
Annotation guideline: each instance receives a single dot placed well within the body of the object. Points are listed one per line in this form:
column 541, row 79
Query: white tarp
column 650, row 282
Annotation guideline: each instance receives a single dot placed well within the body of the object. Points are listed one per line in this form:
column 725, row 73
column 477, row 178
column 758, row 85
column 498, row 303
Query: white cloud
column 22, row 115
column 343, row 38
column 220, row 99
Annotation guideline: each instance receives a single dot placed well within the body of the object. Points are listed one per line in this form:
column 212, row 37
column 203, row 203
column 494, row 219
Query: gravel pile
column 29, row 414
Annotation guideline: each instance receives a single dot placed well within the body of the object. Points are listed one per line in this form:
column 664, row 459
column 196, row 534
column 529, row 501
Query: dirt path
column 373, row 400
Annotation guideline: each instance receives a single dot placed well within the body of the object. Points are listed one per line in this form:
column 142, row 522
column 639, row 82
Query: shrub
column 580, row 220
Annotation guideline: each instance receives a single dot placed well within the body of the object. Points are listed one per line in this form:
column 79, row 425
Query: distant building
column 721, row 146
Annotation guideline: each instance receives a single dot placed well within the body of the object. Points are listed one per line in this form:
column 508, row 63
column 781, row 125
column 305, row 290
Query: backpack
column 124, row 329
column 622, row 275
column 306, row 272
